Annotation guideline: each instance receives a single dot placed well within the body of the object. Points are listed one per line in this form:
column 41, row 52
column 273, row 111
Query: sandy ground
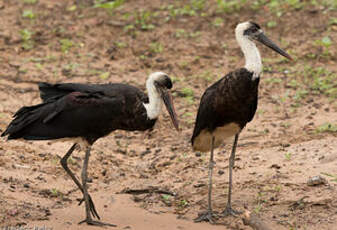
column 278, row 152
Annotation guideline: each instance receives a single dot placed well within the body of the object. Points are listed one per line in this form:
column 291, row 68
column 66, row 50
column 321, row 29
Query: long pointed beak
column 167, row 98
column 267, row 42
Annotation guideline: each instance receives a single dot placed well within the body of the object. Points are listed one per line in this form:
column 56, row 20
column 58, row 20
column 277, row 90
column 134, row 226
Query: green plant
column 187, row 92
column 198, row 5
column 218, row 22
column 71, row 66
column 274, row 80
column 144, row 18
column 300, row 94
column 293, row 83
column 30, row 1
column 288, row 156
column 120, row 44
column 325, row 43
column 183, row 203
column 320, row 81
column 258, row 208
column 333, row 21
column 104, row 75
column 206, row 75
column 156, row 47
column 329, row 4
column 54, row 192
column 66, row 44
column 271, row 24
column 277, row 188
column 109, row 6
column 28, row 14
column 26, row 36
column 230, row 6
column 72, row 8
column 39, row 66
column 285, row 125
column 295, row 4
column 327, row 127
column 71, row 160
column 166, row 197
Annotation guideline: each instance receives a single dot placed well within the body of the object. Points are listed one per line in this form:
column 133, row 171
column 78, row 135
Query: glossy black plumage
column 232, row 99
column 228, row 105
column 90, row 111
column 86, row 112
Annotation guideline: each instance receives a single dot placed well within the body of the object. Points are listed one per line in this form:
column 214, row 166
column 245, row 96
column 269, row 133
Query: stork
column 87, row 112
column 229, row 104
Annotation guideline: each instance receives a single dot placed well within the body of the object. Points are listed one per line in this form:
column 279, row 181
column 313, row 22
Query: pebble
column 316, row 180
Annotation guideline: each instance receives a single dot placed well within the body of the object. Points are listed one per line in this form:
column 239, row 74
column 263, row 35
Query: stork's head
column 253, row 31
column 161, row 84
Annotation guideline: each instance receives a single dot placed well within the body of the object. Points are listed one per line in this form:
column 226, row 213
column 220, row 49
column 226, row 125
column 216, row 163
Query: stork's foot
column 230, row 212
column 209, row 216
column 89, row 221
column 91, row 206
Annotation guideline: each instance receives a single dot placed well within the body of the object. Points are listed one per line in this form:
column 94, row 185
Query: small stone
column 316, row 180
column 198, row 185
column 198, row 154
column 42, row 154
column 275, row 166
column 145, row 153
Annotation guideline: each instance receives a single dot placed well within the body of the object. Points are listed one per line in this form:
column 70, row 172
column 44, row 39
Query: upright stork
column 229, row 104
column 87, row 112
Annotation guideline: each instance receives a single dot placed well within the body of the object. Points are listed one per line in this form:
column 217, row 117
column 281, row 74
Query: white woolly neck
column 251, row 53
column 154, row 107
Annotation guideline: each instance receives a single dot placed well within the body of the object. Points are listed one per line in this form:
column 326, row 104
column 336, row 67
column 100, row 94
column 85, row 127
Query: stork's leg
column 229, row 211
column 64, row 163
column 209, row 215
column 88, row 218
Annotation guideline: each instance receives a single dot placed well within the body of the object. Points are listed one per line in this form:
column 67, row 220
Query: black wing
column 205, row 112
column 88, row 115
column 231, row 99
column 56, row 91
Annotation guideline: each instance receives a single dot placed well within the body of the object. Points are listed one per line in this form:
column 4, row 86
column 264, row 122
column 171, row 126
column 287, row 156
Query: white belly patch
column 203, row 141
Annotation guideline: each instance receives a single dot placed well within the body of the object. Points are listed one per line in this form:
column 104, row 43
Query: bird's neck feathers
column 252, row 55
column 154, row 107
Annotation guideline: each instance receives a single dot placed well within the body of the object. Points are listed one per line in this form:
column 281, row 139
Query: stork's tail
column 22, row 118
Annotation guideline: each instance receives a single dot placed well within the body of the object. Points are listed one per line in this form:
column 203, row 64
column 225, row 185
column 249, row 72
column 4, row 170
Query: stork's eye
column 165, row 81
column 251, row 31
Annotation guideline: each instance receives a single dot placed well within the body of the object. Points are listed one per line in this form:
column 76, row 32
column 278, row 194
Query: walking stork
column 229, row 104
column 87, row 112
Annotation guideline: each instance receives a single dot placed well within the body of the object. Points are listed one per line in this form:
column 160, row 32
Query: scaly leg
column 229, row 211
column 88, row 218
column 209, row 215
column 64, row 163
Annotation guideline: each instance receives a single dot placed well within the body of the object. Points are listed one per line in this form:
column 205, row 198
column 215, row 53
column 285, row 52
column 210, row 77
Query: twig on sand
column 147, row 190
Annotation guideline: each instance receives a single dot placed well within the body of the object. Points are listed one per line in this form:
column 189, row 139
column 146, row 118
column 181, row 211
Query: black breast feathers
column 231, row 101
